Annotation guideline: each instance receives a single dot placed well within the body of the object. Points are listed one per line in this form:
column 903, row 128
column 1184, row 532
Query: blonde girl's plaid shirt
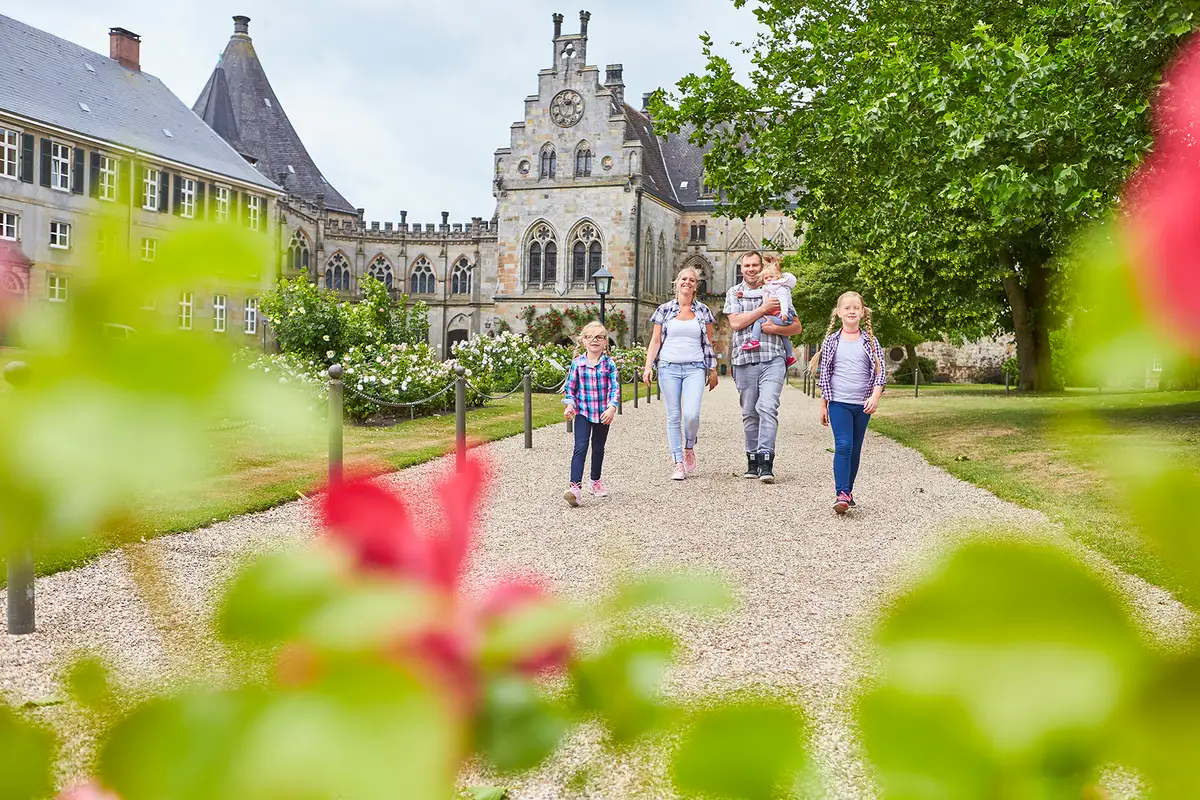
column 592, row 389
column 829, row 354
column 670, row 310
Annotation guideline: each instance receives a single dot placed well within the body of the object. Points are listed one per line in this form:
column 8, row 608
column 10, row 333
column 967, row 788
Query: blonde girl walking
column 590, row 396
column 851, row 381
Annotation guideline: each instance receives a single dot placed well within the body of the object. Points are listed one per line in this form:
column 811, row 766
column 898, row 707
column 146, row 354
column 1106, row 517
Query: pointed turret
column 240, row 105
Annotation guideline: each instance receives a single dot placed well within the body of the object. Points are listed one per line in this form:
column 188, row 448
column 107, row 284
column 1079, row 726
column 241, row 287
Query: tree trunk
column 1028, row 293
column 910, row 353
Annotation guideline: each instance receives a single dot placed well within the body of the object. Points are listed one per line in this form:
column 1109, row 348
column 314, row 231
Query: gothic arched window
column 585, row 254
column 297, row 252
column 548, row 165
column 664, row 268
column 337, row 273
column 542, row 266
column 583, row 160
column 460, row 279
column 648, row 261
column 381, row 270
column 421, row 281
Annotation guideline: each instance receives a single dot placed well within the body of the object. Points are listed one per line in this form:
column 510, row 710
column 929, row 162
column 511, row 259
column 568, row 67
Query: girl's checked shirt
column 829, row 355
column 592, row 389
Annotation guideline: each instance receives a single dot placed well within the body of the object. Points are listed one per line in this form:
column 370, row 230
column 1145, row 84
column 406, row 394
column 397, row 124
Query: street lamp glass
column 603, row 279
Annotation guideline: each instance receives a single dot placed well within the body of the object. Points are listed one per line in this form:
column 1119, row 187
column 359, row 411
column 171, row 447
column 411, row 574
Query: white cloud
column 402, row 103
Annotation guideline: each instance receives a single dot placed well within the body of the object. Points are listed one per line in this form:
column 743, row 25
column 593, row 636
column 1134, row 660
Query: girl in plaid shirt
column 590, row 396
column 851, row 380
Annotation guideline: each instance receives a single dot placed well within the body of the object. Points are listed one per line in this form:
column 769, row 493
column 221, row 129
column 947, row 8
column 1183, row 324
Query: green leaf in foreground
column 519, row 727
column 26, row 755
column 1003, row 673
column 696, row 593
column 748, row 750
column 622, row 684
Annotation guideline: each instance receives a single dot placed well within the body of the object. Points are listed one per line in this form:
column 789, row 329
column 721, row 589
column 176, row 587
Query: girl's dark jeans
column 597, row 432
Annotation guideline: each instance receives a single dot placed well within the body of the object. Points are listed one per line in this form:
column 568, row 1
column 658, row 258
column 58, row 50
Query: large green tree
column 960, row 144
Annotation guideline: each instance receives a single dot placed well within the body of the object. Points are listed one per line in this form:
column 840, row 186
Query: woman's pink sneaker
column 678, row 473
column 689, row 462
column 599, row 489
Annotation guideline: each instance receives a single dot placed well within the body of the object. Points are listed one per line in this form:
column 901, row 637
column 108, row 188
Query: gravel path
column 808, row 582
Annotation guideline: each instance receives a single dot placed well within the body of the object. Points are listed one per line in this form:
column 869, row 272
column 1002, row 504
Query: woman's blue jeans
column 682, row 389
column 849, row 423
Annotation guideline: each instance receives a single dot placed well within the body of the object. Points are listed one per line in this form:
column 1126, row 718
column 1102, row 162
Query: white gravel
column 809, row 583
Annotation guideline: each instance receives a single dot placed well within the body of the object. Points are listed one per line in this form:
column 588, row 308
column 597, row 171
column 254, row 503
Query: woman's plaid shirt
column 592, row 389
column 829, row 353
column 670, row 310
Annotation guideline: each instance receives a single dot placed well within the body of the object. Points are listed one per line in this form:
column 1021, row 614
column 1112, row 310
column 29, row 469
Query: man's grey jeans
column 759, row 386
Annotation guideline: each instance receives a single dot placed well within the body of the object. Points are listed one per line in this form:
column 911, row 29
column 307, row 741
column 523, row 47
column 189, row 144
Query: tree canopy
column 960, row 144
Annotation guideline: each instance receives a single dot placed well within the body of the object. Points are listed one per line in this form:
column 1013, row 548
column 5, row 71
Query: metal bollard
column 460, row 417
column 658, row 391
column 21, row 619
column 637, row 388
column 528, row 381
column 620, row 394
column 1006, row 380
column 917, row 380
column 336, row 402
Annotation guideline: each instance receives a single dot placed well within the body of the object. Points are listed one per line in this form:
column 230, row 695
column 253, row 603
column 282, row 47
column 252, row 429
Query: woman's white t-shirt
column 681, row 342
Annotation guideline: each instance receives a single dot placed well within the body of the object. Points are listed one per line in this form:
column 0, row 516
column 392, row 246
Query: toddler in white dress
column 779, row 285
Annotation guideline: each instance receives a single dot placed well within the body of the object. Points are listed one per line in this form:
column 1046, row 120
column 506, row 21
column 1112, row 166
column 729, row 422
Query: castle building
column 97, row 158
column 583, row 182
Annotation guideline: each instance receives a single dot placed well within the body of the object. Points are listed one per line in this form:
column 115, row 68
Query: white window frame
column 220, row 313
column 10, row 153
column 1156, row 364
column 57, row 287
column 10, row 226
column 60, row 166
column 254, row 212
column 187, row 306
column 60, row 232
column 221, row 194
column 104, row 241
column 108, row 178
column 187, row 198
column 149, row 249
column 150, row 189
column 250, row 324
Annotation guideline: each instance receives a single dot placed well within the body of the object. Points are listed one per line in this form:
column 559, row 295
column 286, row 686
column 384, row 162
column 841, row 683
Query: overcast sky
column 402, row 103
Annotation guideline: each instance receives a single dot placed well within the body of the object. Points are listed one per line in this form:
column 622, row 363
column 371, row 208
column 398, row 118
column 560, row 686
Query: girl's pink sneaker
column 599, row 489
column 753, row 344
column 573, row 494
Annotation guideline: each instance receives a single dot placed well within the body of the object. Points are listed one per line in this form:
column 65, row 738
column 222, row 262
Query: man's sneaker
column 842, row 504
column 678, row 473
column 599, row 489
column 790, row 360
column 751, row 466
column 573, row 494
column 766, row 467
column 689, row 462
column 753, row 344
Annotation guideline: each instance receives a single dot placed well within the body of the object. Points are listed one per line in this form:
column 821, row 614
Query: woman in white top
column 682, row 347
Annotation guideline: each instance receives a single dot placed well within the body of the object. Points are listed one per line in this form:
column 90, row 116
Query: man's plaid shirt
column 772, row 344
column 829, row 354
column 592, row 389
column 670, row 310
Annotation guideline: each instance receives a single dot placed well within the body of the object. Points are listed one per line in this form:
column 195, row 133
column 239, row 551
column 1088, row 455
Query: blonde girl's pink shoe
column 573, row 495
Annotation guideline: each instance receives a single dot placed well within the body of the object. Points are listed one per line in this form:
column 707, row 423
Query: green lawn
column 1056, row 453
column 258, row 473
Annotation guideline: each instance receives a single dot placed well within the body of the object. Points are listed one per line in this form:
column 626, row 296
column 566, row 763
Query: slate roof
column 45, row 78
column 668, row 163
column 239, row 103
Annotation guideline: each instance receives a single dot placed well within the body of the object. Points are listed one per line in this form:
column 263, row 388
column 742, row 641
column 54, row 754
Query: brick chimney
column 125, row 47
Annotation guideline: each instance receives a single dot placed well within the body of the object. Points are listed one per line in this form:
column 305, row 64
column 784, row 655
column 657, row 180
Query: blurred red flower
column 374, row 525
column 1164, row 204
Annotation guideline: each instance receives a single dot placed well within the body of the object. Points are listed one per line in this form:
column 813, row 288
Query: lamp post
column 603, row 279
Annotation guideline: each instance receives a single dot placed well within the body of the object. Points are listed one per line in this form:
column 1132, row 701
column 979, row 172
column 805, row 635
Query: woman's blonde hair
column 591, row 329
column 815, row 361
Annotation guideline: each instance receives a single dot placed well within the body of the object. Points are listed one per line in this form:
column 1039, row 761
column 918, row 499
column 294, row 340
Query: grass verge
column 257, row 473
column 1059, row 454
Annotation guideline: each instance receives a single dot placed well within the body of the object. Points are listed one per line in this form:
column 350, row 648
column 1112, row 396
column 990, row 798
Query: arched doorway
column 453, row 338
